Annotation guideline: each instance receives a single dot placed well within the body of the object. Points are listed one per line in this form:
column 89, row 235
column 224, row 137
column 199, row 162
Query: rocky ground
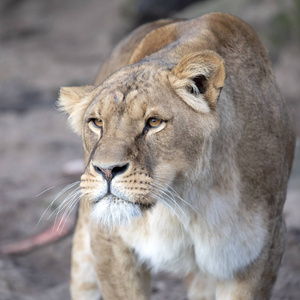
column 48, row 44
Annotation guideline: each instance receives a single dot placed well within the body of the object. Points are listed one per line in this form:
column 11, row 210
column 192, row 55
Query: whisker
column 56, row 197
column 66, row 204
column 179, row 197
column 65, row 201
column 164, row 201
column 70, row 203
column 68, row 212
column 172, row 209
column 46, row 190
column 170, row 197
column 59, row 181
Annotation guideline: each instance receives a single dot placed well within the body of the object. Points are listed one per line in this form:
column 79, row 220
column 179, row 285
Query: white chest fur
column 161, row 241
column 219, row 241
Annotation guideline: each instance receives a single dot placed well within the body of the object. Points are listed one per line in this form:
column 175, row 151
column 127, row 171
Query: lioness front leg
column 119, row 274
column 84, row 282
column 257, row 281
column 200, row 286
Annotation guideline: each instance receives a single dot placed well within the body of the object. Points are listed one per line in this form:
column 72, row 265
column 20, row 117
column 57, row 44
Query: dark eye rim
column 158, row 119
column 92, row 120
column 148, row 127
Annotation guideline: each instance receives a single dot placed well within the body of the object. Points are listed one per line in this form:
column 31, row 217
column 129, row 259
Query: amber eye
column 154, row 122
column 97, row 123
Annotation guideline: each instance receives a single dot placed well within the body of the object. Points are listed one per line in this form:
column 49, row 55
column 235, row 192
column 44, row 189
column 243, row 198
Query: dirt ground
column 48, row 44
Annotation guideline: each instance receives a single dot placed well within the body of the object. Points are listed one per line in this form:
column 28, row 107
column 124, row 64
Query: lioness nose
column 111, row 172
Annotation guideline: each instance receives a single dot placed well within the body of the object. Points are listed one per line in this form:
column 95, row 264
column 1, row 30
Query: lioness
column 188, row 150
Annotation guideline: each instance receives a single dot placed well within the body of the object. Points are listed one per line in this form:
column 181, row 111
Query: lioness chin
column 188, row 150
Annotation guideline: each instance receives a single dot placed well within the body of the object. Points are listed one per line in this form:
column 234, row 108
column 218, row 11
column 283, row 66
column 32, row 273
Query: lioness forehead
column 129, row 91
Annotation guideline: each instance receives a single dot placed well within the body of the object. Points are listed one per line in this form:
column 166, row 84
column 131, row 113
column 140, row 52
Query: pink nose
column 111, row 172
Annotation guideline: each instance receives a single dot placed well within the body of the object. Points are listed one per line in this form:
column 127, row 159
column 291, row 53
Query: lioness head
column 146, row 130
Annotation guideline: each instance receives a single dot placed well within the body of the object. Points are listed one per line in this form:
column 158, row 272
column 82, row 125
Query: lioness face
column 140, row 142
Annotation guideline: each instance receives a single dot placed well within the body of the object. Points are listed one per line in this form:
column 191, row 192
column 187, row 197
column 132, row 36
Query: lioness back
column 188, row 150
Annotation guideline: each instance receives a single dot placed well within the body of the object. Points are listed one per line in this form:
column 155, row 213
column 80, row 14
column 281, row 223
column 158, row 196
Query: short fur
column 200, row 195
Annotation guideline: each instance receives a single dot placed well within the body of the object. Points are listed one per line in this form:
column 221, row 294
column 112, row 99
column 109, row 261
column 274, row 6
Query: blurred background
column 48, row 44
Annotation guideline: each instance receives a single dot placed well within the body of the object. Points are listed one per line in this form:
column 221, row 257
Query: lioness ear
column 198, row 79
column 74, row 101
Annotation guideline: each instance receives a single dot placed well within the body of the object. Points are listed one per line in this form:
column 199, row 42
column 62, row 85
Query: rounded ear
column 198, row 79
column 74, row 101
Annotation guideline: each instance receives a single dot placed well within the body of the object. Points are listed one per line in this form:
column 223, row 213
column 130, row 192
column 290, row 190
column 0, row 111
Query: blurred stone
column 150, row 10
column 16, row 96
column 74, row 167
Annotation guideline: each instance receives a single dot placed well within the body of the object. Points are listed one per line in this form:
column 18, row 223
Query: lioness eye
column 97, row 123
column 154, row 122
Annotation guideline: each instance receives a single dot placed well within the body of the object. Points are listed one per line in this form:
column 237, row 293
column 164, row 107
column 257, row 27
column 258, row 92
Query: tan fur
column 200, row 195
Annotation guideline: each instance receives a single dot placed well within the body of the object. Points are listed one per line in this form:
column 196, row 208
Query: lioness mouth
column 117, row 200
column 144, row 205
